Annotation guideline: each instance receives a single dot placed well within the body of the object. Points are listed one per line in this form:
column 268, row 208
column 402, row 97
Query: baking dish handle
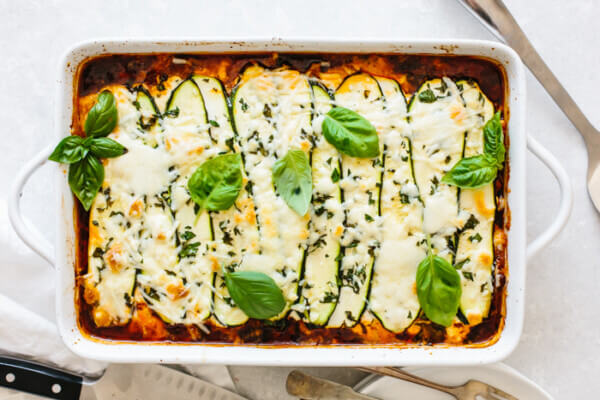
column 25, row 229
column 566, row 196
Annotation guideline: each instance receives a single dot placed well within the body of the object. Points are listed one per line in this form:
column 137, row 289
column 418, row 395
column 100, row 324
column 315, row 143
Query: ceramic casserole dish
column 63, row 254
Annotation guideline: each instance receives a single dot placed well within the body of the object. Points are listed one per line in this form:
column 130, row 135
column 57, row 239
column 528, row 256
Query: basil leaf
column 427, row 96
column 217, row 183
column 292, row 177
column 350, row 133
column 438, row 289
column 472, row 172
column 102, row 118
column 255, row 293
column 69, row 150
column 106, row 148
column 493, row 140
column 85, row 179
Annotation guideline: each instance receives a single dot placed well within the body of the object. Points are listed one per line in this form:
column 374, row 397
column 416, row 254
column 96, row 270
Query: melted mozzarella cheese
column 272, row 111
column 475, row 245
column 235, row 229
column 149, row 243
column 116, row 218
column 393, row 297
column 320, row 289
column 360, row 184
column 438, row 129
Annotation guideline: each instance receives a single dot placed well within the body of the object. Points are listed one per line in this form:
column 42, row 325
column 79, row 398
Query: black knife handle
column 38, row 379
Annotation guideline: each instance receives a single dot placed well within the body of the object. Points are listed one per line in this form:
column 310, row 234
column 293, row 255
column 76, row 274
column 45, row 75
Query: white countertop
column 560, row 347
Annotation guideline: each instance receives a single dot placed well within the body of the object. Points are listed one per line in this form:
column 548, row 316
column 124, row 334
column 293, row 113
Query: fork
column 471, row 390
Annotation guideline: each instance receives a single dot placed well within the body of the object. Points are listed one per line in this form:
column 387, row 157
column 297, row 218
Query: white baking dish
column 63, row 256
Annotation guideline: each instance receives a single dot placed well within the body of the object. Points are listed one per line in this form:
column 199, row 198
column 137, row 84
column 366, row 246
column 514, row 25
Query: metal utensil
column 119, row 382
column 494, row 15
column 471, row 390
column 310, row 388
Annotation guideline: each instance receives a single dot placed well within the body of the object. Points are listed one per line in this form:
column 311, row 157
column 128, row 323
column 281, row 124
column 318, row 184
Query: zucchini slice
column 187, row 140
column 393, row 299
column 235, row 229
column 361, row 188
column 158, row 281
column 272, row 114
column 146, row 106
column 438, row 123
column 321, row 267
column 149, row 115
column 475, row 251
column 116, row 216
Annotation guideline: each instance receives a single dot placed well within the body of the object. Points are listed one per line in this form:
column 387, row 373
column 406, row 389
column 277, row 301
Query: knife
column 119, row 382
column 310, row 388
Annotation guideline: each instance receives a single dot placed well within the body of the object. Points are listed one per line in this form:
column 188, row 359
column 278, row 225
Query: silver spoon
column 494, row 15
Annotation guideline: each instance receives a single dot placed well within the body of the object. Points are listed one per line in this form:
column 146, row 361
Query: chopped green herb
column 459, row 265
column 329, row 298
column 267, row 111
column 471, row 223
column 187, row 235
column 475, row 238
column 189, row 250
column 335, row 175
column 244, row 105
column 172, row 113
column 427, row 96
column 404, row 199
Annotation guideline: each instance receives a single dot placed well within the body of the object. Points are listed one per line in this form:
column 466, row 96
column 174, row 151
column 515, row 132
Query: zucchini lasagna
column 152, row 263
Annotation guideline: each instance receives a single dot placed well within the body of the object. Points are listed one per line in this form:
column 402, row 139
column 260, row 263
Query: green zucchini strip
column 475, row 244
column 361, row 186
column 187, row 141
column 235, row 229
column 436, row 115
column 393, row 299
column 158, row 257
column 272, row 114
column 118, row 225
column 321, row 267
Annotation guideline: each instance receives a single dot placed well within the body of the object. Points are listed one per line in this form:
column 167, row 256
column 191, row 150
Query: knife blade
column 311, row 388
column 147, row 382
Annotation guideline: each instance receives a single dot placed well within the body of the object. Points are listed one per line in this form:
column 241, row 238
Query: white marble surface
column 560, row 348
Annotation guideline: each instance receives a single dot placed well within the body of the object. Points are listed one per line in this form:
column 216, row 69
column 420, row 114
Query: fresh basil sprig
column 255, row 293
column 86, row 172
column 438, row 288
column 350, row 133
column 217, row 183
column 292, row 177
column 477, row 171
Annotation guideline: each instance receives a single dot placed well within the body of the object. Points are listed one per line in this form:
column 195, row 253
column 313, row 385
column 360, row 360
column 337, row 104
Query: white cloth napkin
column 28, row 335
column 24, row 334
